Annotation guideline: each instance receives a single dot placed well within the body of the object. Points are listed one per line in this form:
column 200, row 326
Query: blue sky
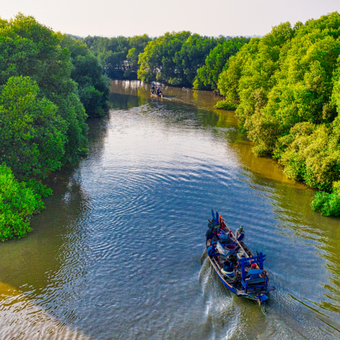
column 131, row 17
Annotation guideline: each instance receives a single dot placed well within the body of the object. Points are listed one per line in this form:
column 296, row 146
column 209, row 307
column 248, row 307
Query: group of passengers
column 158, row 91
column 216, row 233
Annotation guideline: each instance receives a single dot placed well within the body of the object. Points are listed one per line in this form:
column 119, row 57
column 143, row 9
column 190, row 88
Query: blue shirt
column 212, row 251
column 254, row 273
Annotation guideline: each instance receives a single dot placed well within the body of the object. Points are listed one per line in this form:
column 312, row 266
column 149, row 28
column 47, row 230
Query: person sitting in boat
column 153, row 86
column 228, row 269
column 224, row 237
column 215, row 232
column 233, row 259
column 264, row 273
column 239, row 235
column 209, row 234
column 212, row 251
column 254, row 273
column 212, row 232
column 159, row 92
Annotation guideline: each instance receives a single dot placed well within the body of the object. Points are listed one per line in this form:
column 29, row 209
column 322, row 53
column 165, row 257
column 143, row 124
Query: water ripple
column 122, row 253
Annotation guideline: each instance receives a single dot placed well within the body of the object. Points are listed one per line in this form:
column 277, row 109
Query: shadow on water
column 48, row 266
column 23, row 257
column 21, row 319
column 125, row 101
column 39, row 263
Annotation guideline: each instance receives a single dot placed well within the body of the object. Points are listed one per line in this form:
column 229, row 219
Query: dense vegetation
column 216, row 62
column 286, row 87
column 87, row 72
column 46, row 80
column 173, row 58
column 18, row 202
column 118, row 56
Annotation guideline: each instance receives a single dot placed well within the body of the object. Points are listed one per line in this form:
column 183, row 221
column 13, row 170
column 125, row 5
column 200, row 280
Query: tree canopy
column 32, row 133
column 46, row 80
column 157, row 62
column 286, row 88
column 30, row 49
column 119, row 55
column 215, row 62
column 173, row 58
column 18, row 202
column 93, row 88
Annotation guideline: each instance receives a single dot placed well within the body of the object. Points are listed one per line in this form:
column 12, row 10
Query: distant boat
column 155, row 95
column 241, row 284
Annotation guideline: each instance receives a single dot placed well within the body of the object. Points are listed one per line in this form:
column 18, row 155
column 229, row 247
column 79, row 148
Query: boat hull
column 153, row 95
column 259, row 298
column 240, row 288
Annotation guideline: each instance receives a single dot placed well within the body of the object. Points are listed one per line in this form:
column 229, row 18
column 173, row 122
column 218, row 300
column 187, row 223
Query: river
column 119, row 251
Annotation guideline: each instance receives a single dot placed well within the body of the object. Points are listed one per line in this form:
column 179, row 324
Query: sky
column 111, row 18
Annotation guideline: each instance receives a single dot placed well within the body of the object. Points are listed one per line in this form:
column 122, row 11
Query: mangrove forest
column 284, row 86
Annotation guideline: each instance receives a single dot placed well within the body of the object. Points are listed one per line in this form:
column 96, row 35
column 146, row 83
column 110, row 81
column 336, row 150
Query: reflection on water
column 21, row 319
column 119, row 251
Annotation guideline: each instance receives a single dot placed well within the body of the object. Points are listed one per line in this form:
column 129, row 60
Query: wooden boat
column 254, row 289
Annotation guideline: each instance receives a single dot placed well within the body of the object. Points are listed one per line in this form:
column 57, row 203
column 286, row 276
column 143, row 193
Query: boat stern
column 261, row 299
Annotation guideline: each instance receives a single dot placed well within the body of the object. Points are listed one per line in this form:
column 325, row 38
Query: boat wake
column 228, row 316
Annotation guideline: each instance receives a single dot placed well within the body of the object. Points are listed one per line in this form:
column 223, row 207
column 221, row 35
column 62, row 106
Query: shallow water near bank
column 119, row 251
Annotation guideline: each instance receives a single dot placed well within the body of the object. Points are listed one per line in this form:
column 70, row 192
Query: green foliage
column 18, row 203
column 309, row 154
column 287, row 90
column 228, row 80
column 326, row 204
column 118, row 56
column 93, row 87
column 225, row 105
column 192, row 56
column 38, row 188
column 132, row 58
column 175, row 57
column 215, row 62
column 30, row 49
column 32, row 136
column 157, row 62
column 42, row 118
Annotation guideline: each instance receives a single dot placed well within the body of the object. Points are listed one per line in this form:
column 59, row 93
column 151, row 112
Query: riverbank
column 47, row 91
column 286, row 90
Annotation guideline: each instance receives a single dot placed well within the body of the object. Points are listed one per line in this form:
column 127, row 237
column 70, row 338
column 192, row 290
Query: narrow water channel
column 119, row 251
